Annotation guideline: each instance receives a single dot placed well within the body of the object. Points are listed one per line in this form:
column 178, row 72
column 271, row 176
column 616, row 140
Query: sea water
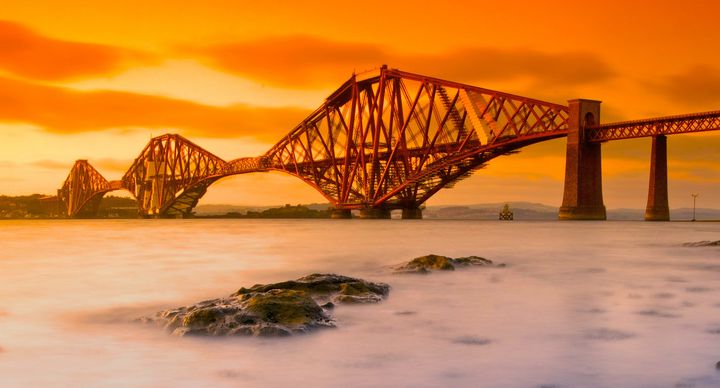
column 591, row 304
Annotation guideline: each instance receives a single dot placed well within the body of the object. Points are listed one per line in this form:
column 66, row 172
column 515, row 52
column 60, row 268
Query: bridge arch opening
column 506, row 178
column 589, row 120
column 108, row 206
column 117, row 204
column 256, row 190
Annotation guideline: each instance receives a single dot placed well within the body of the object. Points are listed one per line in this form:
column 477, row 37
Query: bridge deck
column 669, row 125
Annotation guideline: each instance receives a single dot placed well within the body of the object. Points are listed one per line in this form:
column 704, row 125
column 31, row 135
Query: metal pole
column 694, row 199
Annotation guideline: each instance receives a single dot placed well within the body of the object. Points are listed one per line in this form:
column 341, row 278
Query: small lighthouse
column 506, row 214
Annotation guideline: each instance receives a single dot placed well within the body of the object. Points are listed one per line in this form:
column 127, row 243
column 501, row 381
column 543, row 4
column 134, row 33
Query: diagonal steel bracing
column 386, row 139
column 394, row 138
column 171, row 174
column 81, row 193
column 695, row 122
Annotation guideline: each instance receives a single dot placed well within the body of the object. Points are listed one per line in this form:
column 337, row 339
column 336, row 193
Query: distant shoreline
column 33, row 207
column 224, row 217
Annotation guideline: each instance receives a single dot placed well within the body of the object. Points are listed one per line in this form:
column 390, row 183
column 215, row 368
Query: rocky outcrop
column 427, row 263
column 703, row 244
column 326, row 288
column 278, row 309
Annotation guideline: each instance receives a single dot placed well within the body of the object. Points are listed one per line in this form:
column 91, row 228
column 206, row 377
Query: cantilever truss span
column 393, row 139
column 82, row 191
column 389, row 139
column 171, row 174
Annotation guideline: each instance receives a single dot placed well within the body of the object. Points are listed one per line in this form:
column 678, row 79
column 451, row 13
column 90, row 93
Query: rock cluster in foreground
column 703, row 244
column 427, row 263
column 278, row 309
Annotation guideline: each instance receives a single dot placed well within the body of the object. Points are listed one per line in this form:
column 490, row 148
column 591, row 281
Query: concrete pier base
column 582, row 198
column 340, row 214
column 372, row 213
column 412, row 213
column 657, row 206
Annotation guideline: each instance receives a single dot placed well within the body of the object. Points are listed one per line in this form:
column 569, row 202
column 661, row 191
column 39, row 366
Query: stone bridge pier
column 377, row 213
column 582, row 198
column 658, row 208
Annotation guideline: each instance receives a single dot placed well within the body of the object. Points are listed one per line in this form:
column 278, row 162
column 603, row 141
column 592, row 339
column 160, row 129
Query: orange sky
column 82, row 80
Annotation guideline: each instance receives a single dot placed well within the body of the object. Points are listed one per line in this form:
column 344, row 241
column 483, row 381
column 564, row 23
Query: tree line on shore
column 43, row 206
column 287, row 211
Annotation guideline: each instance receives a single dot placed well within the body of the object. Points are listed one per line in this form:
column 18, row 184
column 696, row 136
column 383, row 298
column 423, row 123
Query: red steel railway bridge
column 389, row 140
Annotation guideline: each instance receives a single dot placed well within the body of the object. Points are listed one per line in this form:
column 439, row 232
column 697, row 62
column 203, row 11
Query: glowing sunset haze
column 359, row 194
column 95, row 81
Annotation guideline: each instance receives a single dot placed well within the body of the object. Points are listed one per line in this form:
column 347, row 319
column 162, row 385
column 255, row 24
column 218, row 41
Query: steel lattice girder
column 171, row 174
column 82, row 190
column 696, row 122
column 395, row 138
column 388, row 139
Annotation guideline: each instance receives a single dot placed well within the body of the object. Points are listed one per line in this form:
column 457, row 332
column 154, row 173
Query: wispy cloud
column 696, row 86
column 293, row 61
column 63, row 110
column 302, row 61
column 52, row 164
column 105, row 164
column 25, row 53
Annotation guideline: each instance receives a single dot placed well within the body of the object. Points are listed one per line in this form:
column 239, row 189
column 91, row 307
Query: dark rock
column 272, row 313
column 717, row 366
column 471, row 260
column 328, row 287
column 272, row 310
column 704, row 243
column 427, row 263
column 286, row 307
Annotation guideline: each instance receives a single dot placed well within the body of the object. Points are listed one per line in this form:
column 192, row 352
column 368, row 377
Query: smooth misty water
column 580, row 304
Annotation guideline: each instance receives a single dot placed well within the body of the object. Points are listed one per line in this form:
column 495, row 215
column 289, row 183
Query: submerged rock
column 427, row 263
column 273, row 310
column 605, row 334
column 471, row 340
column 705, row 243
